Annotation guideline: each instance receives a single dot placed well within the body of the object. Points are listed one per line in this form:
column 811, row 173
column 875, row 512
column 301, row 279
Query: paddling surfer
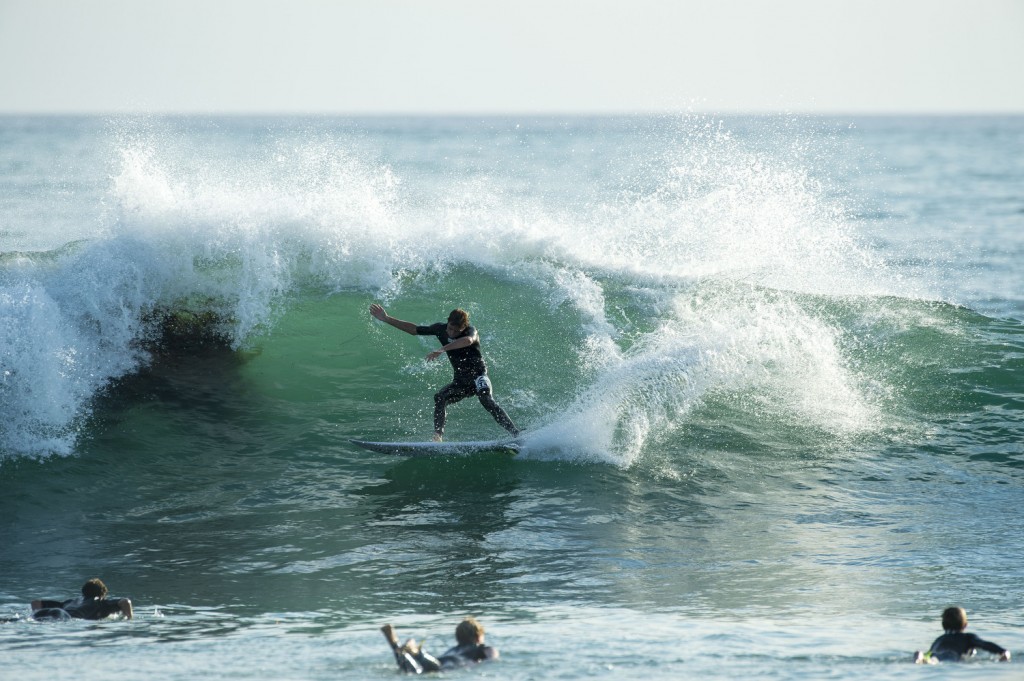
column 93, row 604
column 470, row 649
column 956, row 644
column 461, row 343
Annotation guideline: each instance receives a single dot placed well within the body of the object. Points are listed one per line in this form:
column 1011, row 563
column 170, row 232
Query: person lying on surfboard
column 461, row 343
column 93, row 604
column 469, row 636
column 955, row 645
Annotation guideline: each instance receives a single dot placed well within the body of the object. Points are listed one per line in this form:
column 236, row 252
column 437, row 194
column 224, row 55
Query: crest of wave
column 68, row 327
column 756, row 350
column 180, row 231
column 240, row 232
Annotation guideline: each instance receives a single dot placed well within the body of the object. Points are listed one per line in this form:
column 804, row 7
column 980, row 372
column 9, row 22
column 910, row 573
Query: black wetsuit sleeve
column 407, row 662
column 954, row 645
column 93, row 609
column 109, row 606
column 428, row 661
column 416, row 663
column 987, row 645
column 466, row 654
column 438, row 330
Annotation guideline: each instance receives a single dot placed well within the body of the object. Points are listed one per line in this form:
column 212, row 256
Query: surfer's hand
column 431, row 356
column 378, row 312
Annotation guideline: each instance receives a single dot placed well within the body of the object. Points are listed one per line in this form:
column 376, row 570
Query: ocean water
column 770, row 370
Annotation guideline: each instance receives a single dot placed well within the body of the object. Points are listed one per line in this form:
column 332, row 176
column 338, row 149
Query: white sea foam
column 731, row 343
column 726, row 240
column 241, row 233
column 67, row 330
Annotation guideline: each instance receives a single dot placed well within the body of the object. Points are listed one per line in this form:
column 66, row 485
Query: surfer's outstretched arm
column 378, row 313
column 410, row 657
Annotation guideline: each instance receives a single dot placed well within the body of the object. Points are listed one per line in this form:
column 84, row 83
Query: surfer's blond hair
column 469, row 631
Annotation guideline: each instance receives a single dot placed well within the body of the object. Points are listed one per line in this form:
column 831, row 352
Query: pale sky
column 521, row 56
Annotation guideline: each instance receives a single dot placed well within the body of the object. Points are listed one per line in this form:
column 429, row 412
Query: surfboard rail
column 439, row 448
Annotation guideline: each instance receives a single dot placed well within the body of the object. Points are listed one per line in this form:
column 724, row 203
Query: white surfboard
column 439, row 448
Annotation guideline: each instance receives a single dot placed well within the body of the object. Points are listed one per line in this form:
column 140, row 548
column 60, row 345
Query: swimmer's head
column 94, row 589
column 954, row 619
column 469, row 632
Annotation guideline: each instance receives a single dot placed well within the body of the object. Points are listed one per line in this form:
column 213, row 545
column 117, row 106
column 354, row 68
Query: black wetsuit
column 471, row 653
column 78, row 608
column 459, row 656
column 470, row 378
column 953, row 646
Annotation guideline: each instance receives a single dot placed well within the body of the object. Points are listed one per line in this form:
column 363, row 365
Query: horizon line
column 494, row 113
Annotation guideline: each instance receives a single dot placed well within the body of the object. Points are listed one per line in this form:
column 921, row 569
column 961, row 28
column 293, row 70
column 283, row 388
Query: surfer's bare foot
column 437, row 437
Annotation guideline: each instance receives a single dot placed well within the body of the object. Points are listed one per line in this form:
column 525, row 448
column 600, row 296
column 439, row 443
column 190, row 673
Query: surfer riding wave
column 461, row 343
